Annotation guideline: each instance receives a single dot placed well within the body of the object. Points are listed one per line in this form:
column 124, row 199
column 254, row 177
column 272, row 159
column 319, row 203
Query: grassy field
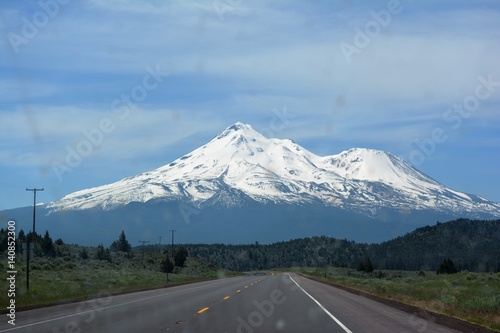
column 474, row 297
column 56, row 280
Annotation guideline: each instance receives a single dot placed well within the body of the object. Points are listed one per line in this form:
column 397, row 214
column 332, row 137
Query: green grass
column 474, row 297
column 55, row 280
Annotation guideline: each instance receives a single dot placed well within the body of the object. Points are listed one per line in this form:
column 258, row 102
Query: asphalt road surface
column 279, row 302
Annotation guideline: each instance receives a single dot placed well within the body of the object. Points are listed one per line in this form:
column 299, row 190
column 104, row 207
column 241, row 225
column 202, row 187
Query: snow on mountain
column 280, row 171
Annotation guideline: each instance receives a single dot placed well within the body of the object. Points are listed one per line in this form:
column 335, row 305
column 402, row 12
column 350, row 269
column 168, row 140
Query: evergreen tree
column 166, row 265
column 121, row 244
column 180, row 256
column 83, row 254
column 447, row 267
column 21, row 236
column 47, row 246
column 366, row 265
column 102, row 253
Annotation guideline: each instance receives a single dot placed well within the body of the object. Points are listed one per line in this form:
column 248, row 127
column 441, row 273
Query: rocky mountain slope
column 244, row 163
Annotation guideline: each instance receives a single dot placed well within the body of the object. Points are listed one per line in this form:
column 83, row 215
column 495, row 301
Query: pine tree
column 102, row 253
column 180, row 256
column 366, row 265
column 121, row 244
column 48, row 246
column 83, row 254
column 166, row 265
column 447, row 267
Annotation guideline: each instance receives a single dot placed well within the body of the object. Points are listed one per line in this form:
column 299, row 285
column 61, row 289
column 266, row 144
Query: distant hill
column 472, row 244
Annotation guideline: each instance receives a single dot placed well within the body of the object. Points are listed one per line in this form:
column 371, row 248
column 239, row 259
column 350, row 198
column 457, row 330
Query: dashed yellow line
column 239, row 290
column 226, row 297
column 203, row 310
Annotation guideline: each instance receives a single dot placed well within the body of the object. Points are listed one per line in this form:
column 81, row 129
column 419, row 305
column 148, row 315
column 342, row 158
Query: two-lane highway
column 271, row 303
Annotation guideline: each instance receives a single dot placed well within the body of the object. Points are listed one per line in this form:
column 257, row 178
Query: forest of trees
column 467, row 244
column 472, row 245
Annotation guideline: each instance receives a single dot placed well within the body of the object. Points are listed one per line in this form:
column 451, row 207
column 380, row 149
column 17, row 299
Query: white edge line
column 322, row 307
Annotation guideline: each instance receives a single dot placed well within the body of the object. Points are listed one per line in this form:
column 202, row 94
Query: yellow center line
column 239, row 290
column 203, row 310
column 226, row 297
column 246, row 286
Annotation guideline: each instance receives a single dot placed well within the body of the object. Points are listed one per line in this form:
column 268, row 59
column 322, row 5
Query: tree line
column 472, row 245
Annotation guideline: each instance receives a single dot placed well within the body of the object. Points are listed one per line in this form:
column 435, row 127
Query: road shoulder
column 438, row 318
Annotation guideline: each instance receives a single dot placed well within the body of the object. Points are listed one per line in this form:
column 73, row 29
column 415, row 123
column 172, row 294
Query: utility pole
column 28, row 238
column 172, row 241
column 143, row 242
column 159, row 243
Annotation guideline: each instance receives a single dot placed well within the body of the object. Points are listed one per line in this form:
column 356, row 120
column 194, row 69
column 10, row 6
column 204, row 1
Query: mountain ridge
column 279, row 170
column 241, row 187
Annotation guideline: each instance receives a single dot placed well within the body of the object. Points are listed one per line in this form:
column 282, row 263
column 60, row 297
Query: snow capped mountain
column 241, row 164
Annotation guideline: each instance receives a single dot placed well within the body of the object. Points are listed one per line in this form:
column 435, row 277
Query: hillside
column 472, row 244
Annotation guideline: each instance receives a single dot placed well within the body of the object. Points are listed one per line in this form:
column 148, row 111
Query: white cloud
column 42, row 137
column 260, row 57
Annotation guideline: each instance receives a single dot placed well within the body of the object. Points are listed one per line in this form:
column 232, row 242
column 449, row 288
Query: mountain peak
column 375, row 165
column 241, row 160
column 239, row 128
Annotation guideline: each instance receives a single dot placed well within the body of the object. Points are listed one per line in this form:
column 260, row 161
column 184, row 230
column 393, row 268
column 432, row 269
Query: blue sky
column 149, row 81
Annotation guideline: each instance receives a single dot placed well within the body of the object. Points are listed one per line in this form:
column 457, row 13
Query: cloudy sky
column 94, row 91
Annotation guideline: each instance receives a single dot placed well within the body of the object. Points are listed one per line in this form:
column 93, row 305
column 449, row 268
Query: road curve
column 279, row 302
